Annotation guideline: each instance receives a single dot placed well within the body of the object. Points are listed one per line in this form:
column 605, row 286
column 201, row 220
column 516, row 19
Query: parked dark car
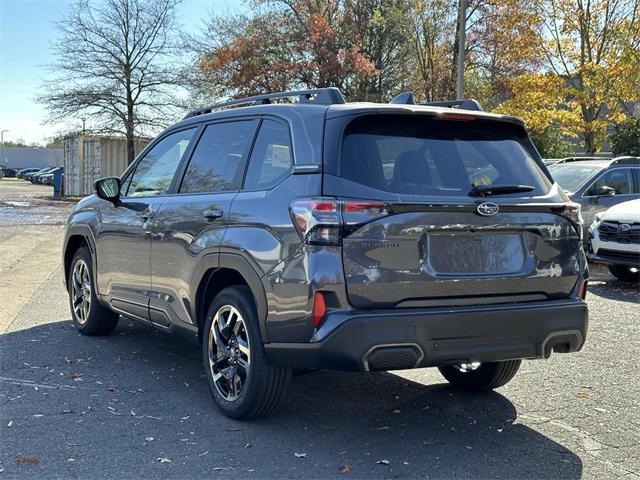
column 47, row 178
column 598, row 184
column 35, row 177
column 29, row 176
column 7, row 172
column 325, row 234
column 21, row 173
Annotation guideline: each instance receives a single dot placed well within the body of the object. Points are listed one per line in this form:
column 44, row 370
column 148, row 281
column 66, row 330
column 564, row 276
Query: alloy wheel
column 81, row 291
column 229, row 352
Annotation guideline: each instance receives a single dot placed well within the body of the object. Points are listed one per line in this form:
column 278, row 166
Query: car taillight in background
column 323, row 221
column 572, row 212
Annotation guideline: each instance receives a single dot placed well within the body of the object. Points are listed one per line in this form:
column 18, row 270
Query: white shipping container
column 89, row 157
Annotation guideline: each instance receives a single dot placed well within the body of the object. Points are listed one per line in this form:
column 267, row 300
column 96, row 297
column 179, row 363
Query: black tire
column 99, row 319
column 486, row 377
column 265, row 385
column 625, row 273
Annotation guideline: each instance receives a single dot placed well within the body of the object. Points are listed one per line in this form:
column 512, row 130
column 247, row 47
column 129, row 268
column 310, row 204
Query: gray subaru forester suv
column 298, row 231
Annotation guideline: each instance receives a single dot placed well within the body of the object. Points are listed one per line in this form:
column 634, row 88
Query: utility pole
column 462, row 25
column 2, row 159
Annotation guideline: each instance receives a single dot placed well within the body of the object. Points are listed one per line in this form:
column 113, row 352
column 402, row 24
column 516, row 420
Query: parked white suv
column 615, row 240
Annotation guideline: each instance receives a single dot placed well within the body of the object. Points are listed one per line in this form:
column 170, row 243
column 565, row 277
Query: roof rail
column 406, row 98
column 626, row 160
column 580, row 159
column 319, row 96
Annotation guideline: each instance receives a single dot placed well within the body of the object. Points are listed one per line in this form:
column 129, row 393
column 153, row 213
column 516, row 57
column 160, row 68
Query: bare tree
column 116, row 64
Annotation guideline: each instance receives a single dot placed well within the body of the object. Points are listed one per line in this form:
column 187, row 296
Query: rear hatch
column 461, row 211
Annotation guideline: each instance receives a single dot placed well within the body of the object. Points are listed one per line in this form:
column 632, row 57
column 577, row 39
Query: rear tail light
column 582, row 293
column 572, row 212
column 319, row 309
column 324, row 221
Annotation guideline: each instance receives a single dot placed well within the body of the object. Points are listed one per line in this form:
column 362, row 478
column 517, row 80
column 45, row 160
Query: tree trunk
column 589, row 142
column 130, row 131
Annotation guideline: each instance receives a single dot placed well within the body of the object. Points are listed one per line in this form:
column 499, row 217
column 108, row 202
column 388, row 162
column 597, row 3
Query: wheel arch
column 219, row 271
column 77, row 237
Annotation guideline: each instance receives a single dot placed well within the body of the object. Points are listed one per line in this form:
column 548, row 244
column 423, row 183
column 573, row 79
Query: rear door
column 444, row 237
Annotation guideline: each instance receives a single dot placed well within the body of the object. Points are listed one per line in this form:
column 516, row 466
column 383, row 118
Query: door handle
column 147, row 214
column 212, row 213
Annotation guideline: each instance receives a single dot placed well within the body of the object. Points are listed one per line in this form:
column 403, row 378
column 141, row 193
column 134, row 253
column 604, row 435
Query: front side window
column 620, row 179
column 155, row 171
column 217, row 164
column 420, row 155
column 271, row 158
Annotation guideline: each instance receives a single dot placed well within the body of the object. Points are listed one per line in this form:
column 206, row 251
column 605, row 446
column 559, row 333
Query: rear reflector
column 319, row 309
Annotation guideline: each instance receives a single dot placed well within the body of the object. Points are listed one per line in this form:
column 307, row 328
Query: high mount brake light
column 320, row 221
column 455, row 116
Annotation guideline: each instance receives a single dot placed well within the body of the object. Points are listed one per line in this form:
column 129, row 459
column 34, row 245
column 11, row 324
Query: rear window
column 420, row 155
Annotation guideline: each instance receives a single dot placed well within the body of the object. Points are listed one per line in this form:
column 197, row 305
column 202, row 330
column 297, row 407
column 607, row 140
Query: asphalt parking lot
column 135, row 404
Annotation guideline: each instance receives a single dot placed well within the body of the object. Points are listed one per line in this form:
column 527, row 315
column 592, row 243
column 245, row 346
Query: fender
column 241, row 265
column 84, row 231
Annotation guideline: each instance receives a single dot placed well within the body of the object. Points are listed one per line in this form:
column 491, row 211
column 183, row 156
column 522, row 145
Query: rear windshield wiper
column 488, row 190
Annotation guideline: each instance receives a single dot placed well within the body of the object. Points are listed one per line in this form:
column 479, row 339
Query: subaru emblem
column 488, row 209
column 624, row 227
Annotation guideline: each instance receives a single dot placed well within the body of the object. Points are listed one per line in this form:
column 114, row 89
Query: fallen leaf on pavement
column 27, row 460
column 584, row 394
column 345, row 469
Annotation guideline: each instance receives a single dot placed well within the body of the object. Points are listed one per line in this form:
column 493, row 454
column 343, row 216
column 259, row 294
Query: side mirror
column 108, row 188
column 604, row 191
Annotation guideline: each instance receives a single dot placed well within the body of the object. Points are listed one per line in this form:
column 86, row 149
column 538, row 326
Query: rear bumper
column 411, row 338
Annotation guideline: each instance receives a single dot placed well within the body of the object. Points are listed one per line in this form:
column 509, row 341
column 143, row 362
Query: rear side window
column 271, row 159
column 218, row 161
column 420, row 155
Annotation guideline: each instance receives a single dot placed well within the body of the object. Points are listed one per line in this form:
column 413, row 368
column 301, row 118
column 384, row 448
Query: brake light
column 319, row 309
column 454, row 116
column 573, row 213
column 324, row 221
column 362, row 206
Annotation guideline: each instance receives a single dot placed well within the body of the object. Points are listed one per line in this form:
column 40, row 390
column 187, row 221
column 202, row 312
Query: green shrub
column 625, row 138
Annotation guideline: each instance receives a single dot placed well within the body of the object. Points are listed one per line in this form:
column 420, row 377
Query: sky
column 27, row 33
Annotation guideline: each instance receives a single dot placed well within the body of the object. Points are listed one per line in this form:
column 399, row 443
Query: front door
column 620, row 180
column 123, row 236
column 191, row 224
